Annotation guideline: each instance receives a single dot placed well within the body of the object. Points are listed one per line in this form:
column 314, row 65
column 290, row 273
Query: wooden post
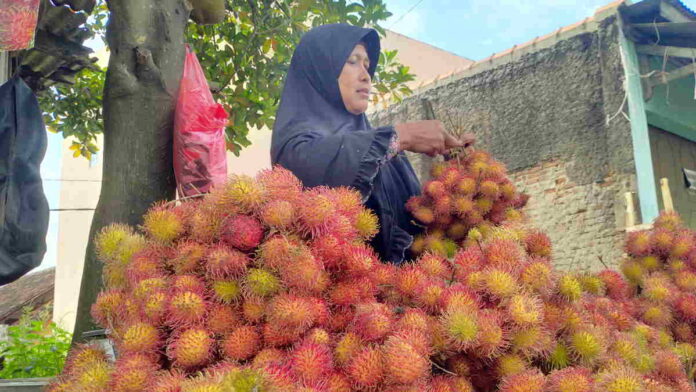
column 630, row 210
column 666, row 195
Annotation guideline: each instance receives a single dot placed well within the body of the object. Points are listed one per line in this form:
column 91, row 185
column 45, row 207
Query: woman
column 322, row 135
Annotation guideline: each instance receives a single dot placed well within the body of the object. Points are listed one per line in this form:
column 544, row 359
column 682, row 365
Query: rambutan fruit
column 278, row 214
column 668, row 365
column 261, row 283
column 538, row 244
column 559, row 357
column 617, row 287
column 206, row 221
column 133, row 373
column 222, row 319
column 169, row 381
column 467, row 260
column 414, row 318
column 619, row 379
column 685, row 306
column 587, row 345
column 191, row 348
column 425, row 215
column 435, row 189
column 428, row 295
column 434, row 266
column 186, row 308
column 366, row 224
column 507, row 191
column 107, row 307
column 241, row 193
column 403, row 364
column 145, row 264
column 499, row 283
column 347, row 347
column 638, row 243
column 145, row 288
column 668, row 220
column 656, row 315
column 537, row 275
column 489, row 189
column 410, row 280
column 442, row 206
column 383, row 274
column 420, row 340
column 474, row 217
column 492, row 336
column 352, row 291
column 304, row 273
column 483, row 205
column 109, row 240
column 625, row 347
column 462, row 205
column 163, row 224
column 650, row 262
column 658, row 288
column 290, row 311
column 242, row 232
column 372, row 321
column 682, row 245
column 458, row 296
column 226, row 291
column 82, row 357
column 571, row 379
column 318, row 336
column 347, row 200
column 311, row 362
column 184, row 283
column 337, row 382
column 248, row 379
column 366, row 368
column 461, row 326
column 685, row 280
column 277, row 336
column 222, row 262
column 139, row 337
column 465, row 186
column 509, row 364
column 528, row 381
column 661, row 241
column 685, row 351
column 525, row 309
column 269, row 356
column 503, row 253
column 359, row 260
column 279, row 183
column 478, row 168
column 254, row 309
column 531, row 341
column 592, row 284
column 243, row 343
column 187, row 258
column 315, row 211
column 569, row 288
column 457, row 231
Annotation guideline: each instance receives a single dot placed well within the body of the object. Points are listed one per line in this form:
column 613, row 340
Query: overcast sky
column 475, row 29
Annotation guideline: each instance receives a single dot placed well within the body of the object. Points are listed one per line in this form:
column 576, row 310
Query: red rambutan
column 243, row 343
column 311, row 362
column 191, row 348
column 242, row 232
column 528, row 381
column 403, row 364
column 366, row 367
column 223, row 262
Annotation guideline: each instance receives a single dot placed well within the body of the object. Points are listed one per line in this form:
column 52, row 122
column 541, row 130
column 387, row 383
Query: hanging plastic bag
column 200, row 156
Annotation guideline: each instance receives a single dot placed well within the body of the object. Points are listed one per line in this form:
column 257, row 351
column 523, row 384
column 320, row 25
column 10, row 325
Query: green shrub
column 35, row 347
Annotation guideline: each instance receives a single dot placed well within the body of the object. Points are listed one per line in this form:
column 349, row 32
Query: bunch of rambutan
column 264, row 285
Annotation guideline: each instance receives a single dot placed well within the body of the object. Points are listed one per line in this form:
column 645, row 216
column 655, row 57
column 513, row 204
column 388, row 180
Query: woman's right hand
column 428, row 137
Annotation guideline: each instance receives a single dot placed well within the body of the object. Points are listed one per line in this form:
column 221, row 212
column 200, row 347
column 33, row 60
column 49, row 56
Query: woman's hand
column 429, row 137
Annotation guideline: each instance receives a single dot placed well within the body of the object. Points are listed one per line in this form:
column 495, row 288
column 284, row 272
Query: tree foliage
column 245, row 60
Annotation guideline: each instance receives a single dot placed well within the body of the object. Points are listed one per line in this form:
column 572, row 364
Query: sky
column 475, row 29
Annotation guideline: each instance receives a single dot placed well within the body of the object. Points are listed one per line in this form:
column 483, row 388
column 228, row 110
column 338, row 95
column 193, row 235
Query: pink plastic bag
column 200, row 156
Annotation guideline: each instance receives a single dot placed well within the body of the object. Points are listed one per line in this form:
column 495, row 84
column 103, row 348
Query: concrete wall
column 544, row 115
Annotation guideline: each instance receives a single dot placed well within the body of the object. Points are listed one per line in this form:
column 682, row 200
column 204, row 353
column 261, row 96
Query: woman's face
column 355, row 82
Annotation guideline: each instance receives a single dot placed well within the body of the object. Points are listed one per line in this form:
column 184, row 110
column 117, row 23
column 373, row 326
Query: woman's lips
column 365, row 93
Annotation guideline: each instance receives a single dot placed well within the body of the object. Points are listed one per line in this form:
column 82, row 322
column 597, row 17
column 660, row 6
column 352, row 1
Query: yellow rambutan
column 242, row 193
column 499, row 283
column 509, row 364
column 559, row 357
column 290, row 311
column 366, row 224
column 243, row 343
column 347, row 347
column 650, row 262
column 638, row 243
column 107, row 307
column 592, row 284
column 620, row 379
column 489, row 189
column 507, row 191
column 572, row 379
column 483, row 205
column 191, row 348
column 82, row 357
column 133, row 373
column 109, row 240
column 260, row 282
column 186, row 282
column 461, row 326
column 145, row 288
column 139, row 337
column 525, row 309
column 226, row 291
column 163, row 224
column 186, row 308
column 587, row 345
column 532, row 341
column 537, row 275
column 569, row 288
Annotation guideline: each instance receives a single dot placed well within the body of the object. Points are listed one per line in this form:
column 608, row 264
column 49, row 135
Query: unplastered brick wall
column 544, row 114
column 585, row 221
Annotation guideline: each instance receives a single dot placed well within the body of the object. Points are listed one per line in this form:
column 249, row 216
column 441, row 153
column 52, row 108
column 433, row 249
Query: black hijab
column 322, row 143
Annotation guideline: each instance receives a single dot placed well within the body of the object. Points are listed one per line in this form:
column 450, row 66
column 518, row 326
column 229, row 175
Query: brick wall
column 545, row 116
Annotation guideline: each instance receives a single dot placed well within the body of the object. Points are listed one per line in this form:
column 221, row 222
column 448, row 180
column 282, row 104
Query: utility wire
column 406, row 13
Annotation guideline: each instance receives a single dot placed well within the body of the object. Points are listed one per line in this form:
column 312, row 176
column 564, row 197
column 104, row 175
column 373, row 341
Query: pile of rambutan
column 264, row 285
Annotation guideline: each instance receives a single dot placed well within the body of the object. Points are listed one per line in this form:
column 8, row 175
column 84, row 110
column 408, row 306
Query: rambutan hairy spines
column 140, row 337
column 109, row 240
column 503, row 253
column 163, row 224
column 489, row 189
column 242, row 193
column 188, row 257
column 222, row 319
column 186, row 308
column 366, row 224
column 107, row 307
column 403, row 363
column 435, row 266
column 435, row 189
column 261, row 283
column 242, row 232
column 359, row 260
column 290, row 311
column 638, row 243
column 620, row 379
column 373, row 321
column 279, row 183
column 191, row 348
column 222, row 262
column 242, row 343
column 311, row 362
column 538, row 244
column 525, row 309
column 571, row 379
column 135, row 373
column 366, row 368
column 461, row 326
column 278, row 214
column 528, row 381
column 315, row 212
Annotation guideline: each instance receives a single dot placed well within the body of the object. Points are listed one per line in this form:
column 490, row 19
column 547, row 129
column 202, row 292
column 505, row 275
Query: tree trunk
column 146, row 40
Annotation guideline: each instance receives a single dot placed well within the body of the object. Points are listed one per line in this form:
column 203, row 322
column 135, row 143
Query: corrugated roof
column 33, row 290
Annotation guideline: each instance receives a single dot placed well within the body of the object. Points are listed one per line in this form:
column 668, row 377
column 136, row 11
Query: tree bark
column 146, row 40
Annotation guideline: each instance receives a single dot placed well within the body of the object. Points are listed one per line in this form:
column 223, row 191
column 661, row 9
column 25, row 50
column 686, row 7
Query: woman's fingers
column 468, row 139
